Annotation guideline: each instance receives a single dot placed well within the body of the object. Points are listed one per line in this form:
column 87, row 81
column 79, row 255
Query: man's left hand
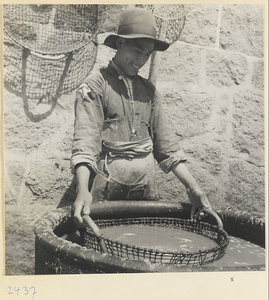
column 199, row 202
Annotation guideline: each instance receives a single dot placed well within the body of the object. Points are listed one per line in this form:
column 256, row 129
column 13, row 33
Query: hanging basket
column 172, row 17
column 53, row 29
column 48, row 51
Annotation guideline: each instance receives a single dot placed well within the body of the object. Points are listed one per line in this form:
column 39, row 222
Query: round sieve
column 153, row 255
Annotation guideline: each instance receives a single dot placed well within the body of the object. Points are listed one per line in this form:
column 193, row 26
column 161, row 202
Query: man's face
column 133, row 54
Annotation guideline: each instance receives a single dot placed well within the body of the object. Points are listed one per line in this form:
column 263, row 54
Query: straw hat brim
column 159, row 45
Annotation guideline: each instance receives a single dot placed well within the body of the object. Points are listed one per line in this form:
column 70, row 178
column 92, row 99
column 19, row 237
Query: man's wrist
column 192, row 186
column 82, row 189
column 83, row 173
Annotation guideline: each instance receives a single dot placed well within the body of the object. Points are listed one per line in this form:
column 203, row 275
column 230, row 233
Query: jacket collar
column 117, row 71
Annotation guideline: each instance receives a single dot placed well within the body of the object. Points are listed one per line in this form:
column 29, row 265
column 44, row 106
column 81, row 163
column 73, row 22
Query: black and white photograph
column 134, row 143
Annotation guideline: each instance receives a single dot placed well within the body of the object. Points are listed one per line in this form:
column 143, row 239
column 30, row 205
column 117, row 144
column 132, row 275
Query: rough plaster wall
column 212, row 85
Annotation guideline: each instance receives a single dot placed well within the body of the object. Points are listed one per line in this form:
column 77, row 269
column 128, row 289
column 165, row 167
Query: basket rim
column 90, row 260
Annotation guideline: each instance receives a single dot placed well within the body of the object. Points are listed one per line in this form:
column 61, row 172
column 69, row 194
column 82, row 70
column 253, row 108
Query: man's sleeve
column 167, row 150
column 89, row 116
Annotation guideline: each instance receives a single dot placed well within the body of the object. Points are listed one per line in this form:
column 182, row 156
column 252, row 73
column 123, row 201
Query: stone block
column 112, row 15
column 208, row 152
column 248, row 126
column 20, row 132
column 49, row 181
column 181, row 63
column 258, row 74
column 242, row 29
column 14, row 171
column 201, row 25
column 188, row 113
column 226, row 69
column 245, row 190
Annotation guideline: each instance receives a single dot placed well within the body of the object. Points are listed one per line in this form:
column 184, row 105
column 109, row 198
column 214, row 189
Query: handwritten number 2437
column 24, row 290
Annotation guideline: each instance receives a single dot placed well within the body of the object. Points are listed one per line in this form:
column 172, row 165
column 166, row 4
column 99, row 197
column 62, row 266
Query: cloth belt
column 129, row 149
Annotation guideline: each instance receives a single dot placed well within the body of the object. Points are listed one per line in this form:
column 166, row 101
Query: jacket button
column 120, row 77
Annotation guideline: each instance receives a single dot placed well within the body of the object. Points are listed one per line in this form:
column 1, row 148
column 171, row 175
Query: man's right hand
column 82, row 207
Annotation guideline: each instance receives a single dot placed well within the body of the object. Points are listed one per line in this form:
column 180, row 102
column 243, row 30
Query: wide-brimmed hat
column 136, row 23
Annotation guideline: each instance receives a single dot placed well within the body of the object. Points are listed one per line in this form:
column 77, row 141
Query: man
column 121, row 129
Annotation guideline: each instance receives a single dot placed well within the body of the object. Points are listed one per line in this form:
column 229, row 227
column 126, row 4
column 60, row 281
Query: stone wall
column 213, row 91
